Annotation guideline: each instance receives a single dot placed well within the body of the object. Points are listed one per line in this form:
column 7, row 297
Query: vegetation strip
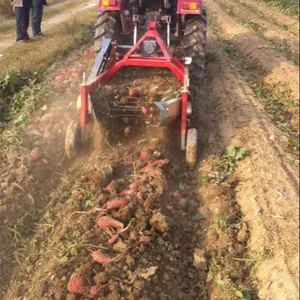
column 27, row 80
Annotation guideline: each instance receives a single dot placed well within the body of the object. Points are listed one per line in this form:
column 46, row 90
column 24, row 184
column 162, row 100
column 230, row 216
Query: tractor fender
column 111, row 5
column 189, row 7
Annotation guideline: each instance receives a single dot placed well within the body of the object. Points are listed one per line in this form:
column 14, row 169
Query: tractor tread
column 195, row 32
column 105, row 27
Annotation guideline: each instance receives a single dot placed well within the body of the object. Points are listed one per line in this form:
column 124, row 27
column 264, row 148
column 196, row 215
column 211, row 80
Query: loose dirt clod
column 159, row 222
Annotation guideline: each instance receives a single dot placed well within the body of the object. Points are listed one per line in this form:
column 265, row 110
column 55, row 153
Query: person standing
column 36, row 16
column 21, row 9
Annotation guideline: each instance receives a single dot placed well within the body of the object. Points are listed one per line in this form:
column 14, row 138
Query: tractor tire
column 105, row 27
column 195, row 29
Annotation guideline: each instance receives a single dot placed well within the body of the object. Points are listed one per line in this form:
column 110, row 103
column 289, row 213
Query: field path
column 52, row 21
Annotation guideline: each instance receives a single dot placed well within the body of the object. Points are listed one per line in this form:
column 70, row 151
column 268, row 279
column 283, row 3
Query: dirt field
column 226, row 230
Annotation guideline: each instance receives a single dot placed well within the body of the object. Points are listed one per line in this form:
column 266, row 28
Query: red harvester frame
column 177, row 66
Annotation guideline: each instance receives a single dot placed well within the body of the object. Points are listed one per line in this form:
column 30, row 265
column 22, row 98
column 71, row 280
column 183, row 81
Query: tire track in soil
column 276, row 71
column 273, row 15
column 268, row 189
column 275, row 34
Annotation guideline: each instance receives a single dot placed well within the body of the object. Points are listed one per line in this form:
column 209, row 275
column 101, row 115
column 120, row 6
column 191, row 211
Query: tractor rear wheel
column 106, row 27
column 195, row 43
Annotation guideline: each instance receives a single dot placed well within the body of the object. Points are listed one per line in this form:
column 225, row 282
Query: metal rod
column 127, row 116
column 135, row 34
column 168, row 30
column 124, row 46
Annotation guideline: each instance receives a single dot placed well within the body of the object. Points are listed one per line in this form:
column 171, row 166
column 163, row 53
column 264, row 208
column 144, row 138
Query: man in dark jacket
column 21, row 9
column 36, row 16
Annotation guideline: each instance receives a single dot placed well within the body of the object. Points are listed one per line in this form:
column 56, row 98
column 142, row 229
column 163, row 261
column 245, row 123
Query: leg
column 36, row 17
column 19, row 12
column 26, row 8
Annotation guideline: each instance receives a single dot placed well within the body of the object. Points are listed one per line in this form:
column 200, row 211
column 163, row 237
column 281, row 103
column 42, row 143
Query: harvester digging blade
column 169, row 111
column 101, row 59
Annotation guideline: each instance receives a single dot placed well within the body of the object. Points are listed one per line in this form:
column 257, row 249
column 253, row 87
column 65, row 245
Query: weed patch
column 224, row 166
column 289, row 7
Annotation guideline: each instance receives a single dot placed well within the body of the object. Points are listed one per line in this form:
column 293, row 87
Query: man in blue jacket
column 36, row 16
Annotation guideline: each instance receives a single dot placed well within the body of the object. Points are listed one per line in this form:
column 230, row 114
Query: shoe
column 27, row 38
column 20, row 41
column 39, row 35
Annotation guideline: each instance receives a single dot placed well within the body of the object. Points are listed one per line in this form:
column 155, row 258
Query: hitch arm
column 101, row 59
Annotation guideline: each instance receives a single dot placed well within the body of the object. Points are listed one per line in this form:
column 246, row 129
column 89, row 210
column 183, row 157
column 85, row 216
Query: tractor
column 154, row 28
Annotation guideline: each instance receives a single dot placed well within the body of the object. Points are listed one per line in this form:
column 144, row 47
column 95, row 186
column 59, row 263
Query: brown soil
column 278, row 36
column 273, row 15
column 64, row 232
column 268, row 179
column 186, row 235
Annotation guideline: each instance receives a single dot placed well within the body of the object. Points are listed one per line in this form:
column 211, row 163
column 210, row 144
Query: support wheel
column 106, row 27
column 72, row 140
column 191, row 147
column 195, row 29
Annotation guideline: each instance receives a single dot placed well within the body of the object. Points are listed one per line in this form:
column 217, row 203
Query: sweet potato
column 108, row 222
column 133, row 92
column 144, row 155
column 109, row 189
column 132, row 235
column 117, row 203
column 144, row 110
column 76, row 283
column 133, row 187
column 177, row 196
column 150, row 165
column 144, row 240
column 140, row 196
column 94, row 291
column 181, row 201
column 113, row 239
column 101, row 257
column 161, row 163
column 35, row 154
column 112, row 187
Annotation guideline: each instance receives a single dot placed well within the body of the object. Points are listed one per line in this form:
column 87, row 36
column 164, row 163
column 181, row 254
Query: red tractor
column 153, row 27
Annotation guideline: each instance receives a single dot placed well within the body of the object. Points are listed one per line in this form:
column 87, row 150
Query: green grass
column 288, row 7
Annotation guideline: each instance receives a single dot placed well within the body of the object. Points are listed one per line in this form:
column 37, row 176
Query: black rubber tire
column 195, row 29
column 106, row 27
